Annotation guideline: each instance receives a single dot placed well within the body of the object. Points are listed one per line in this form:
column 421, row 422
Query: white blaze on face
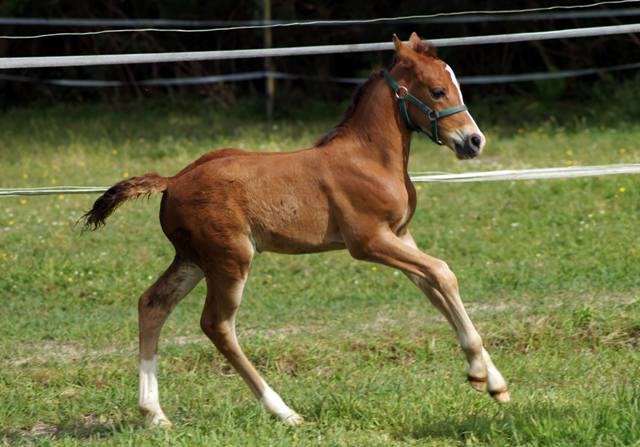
column 474, row 128
column 455, row 81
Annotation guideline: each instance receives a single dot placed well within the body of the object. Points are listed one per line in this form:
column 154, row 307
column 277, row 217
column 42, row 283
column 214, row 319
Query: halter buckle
column 403, row 89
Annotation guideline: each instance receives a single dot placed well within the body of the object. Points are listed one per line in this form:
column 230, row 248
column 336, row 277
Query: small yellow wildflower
column 622, row 150
column 23, row 201
column 621, row 189
column 114, row 151
column 125, row 175
column 61, row 197
column 569, row 152
column 25, row 175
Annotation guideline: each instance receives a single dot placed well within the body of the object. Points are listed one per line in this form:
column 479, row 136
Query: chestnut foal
column 351, row 190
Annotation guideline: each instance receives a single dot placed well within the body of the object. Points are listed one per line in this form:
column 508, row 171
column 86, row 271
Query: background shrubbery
column 477, row 60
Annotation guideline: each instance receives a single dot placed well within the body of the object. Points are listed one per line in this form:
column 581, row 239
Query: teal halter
column 403, row 95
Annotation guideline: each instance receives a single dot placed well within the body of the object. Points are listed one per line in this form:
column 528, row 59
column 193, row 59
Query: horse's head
column 442, row 115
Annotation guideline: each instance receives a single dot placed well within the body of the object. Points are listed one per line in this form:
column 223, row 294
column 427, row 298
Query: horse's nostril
column 476, row 141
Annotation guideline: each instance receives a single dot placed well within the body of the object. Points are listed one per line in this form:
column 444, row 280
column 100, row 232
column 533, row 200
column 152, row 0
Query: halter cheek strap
column 403, row 95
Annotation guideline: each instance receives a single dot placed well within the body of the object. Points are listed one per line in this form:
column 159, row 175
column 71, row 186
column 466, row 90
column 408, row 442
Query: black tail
column 119, row 193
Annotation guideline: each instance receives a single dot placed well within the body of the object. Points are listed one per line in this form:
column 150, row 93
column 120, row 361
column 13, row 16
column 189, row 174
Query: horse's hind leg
column 225, row 284
column 154, row 307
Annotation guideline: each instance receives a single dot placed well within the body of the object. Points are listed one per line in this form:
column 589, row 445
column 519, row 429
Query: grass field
column 549, row 271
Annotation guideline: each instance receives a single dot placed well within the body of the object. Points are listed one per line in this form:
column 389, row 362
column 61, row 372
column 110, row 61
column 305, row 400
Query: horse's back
column 217, row 154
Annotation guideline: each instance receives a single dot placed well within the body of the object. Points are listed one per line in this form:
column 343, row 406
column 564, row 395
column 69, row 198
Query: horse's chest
column 369, row 198
column 405, row 208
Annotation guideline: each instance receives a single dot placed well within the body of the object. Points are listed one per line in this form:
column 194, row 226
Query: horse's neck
column 377, row 129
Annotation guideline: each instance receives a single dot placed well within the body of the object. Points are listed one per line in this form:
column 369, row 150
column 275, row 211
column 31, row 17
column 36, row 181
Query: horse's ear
column 415, row 41
column 419, row 46
column 397, row 43
column 404, row 52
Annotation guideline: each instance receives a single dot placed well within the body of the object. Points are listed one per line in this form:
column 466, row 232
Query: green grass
column 549, row 271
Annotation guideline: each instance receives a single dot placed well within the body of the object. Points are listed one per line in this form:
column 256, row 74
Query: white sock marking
column 149, row 398
column 274, row 404
column 495, row 381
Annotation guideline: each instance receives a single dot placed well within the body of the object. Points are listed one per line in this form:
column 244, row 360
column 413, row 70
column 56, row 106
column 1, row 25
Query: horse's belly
column 293, row 244
column 292, row 229
column 296, row 236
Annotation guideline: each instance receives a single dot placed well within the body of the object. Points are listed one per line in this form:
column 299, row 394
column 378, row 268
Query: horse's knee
column 217, row 331
column 442, row 276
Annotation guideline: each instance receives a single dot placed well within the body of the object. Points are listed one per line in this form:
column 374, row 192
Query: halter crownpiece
column 403, row 95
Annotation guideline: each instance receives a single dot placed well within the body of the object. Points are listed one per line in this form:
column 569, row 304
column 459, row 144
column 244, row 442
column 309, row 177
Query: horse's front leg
column 482, row 373
column 440, row 285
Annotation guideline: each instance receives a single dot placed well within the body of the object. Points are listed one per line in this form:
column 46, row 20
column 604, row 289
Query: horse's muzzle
column 470, row 147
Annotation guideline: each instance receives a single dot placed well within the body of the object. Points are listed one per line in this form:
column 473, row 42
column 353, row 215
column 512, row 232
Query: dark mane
column 355, row 100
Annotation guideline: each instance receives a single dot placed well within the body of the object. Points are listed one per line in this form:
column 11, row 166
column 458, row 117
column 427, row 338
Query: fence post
column 270, row 83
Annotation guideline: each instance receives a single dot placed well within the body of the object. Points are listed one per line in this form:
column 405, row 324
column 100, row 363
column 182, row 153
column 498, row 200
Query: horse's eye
column 438, row 93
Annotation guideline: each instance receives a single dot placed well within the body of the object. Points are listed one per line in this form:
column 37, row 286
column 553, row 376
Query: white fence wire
column 527, row 174
column 468, row 17
column 254, row 75
column 547, row 12
column 113, row 59
column 428, row 177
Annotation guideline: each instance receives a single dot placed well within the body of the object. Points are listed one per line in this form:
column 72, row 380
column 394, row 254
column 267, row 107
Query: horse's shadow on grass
column 506, row 422
column 76, row 431
column 101, row 430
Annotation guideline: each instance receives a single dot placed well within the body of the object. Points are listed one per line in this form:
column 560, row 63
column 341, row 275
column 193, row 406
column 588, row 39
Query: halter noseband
column 403, row 95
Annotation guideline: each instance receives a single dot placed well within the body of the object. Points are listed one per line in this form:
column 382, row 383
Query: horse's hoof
column 155, row 420
column 160, row 422
column 477, row 384
column 501, row 396
column 292, row 420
